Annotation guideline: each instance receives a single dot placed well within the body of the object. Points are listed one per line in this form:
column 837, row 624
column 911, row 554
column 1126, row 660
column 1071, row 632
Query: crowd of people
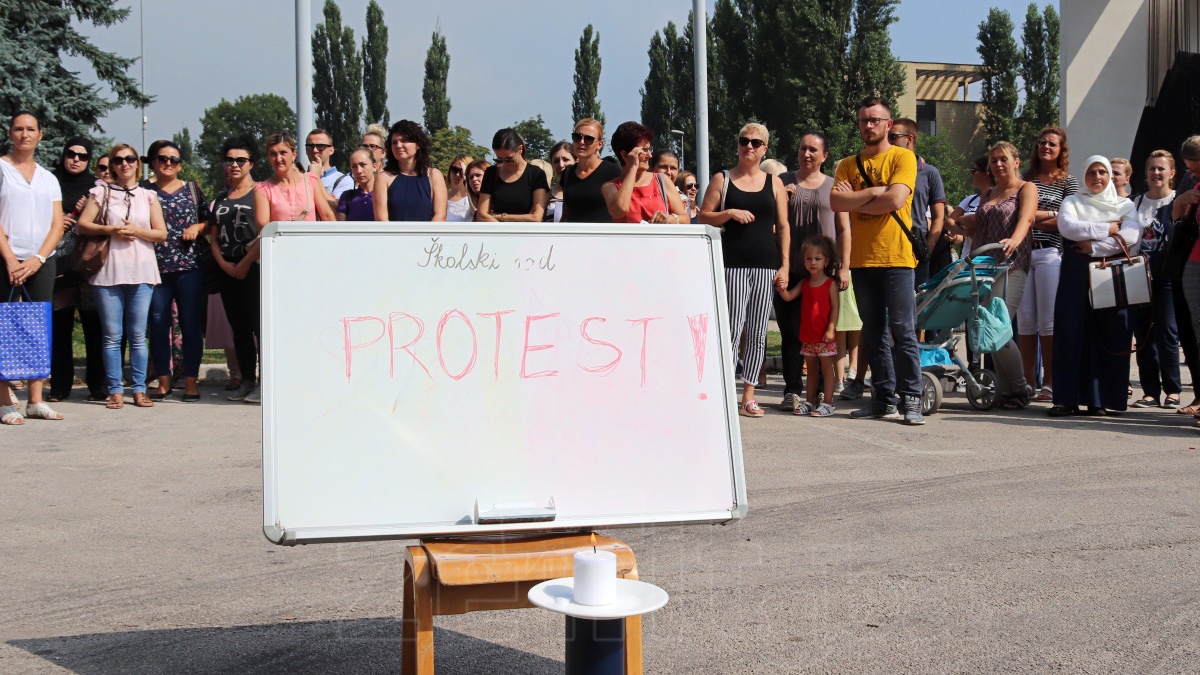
column 835, row 257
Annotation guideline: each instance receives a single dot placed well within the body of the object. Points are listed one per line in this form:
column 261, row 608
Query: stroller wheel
column 931, row 393
column 982, row 395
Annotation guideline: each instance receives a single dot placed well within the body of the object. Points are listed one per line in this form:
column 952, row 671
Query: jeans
column 1158, row 344
column 887, row 304
column 124, row 310
column 186, row 289
column 241, row 299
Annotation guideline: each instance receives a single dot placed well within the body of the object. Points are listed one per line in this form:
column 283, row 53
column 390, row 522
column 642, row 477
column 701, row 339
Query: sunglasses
column 127, row 159
column 690, row 186
column 506, row 160
column 894, row 137
column 456, row 171
column 240, row 161
column 319, row 147
column 168, row 159
column 81, row 156
column 583, row 138
column 755, row 143
column 102, row 168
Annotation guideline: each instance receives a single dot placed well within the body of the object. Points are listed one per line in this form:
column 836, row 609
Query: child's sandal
column 805, row 408
column 823, row 410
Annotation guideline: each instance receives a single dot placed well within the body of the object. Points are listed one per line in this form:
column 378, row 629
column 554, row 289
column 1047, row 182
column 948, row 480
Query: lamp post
column 677, row 132
column 142, row 62
column 304, row 102
column 700, row 40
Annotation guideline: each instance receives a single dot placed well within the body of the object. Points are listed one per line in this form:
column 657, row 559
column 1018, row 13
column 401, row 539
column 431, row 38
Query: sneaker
column 851, row 374
column 876, row 410
column 254, row 397
column 789, row 402
column 912, row 411
column 838, row 388
column 851, row 390
column 243, row 391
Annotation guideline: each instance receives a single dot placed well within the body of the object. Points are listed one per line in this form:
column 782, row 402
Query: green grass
column 774, row 343
column 79, row 352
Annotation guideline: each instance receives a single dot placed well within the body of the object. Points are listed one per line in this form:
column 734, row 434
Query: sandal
column 1147, row 402
column 141, row 400
column 805, row 408
column 41, row 411
column 823, row 410
column 1046, row 395
column 750, row 409
column 1062, row 411
column 9, row 414
column 1192, row 408
column 1014, row 402
column 115, row 402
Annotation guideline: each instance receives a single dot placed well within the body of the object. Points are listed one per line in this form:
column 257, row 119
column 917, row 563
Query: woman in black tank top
column 755, row 246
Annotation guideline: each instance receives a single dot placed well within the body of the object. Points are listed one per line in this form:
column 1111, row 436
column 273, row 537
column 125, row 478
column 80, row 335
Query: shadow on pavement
column 350, row 646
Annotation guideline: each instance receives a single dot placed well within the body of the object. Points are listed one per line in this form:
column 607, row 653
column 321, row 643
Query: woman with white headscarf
column 1091, row 359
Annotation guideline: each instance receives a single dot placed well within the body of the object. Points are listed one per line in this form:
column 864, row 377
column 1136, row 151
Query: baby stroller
column 956, row 296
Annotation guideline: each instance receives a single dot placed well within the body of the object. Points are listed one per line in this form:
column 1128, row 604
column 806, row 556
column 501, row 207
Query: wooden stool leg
column 416, row 656
column 633, row 645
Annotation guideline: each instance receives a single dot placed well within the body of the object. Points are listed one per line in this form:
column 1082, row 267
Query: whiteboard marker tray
column 633, row 598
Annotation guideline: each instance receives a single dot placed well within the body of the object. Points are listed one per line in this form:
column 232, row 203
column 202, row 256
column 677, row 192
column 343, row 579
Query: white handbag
column 1119, row 281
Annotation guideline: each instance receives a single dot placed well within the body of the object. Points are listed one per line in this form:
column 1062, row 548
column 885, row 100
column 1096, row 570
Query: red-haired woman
column 640, row 195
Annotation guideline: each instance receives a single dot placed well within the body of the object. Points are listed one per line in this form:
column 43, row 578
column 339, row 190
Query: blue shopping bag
column 24, row 338
column 992, row 328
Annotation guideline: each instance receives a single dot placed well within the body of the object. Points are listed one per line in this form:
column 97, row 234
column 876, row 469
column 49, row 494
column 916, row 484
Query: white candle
column 595, row 577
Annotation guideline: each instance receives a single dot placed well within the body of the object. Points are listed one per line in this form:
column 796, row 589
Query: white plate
column 633, row 598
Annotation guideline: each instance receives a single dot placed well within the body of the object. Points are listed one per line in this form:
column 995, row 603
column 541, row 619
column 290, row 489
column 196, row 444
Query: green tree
column 658, row 93
column 374, row 53
column 183, row 138
column 872, row 69
column 1039, row 73
column 938, row 151
column 451, row 142
column 337, row 82
column 1000, row 63
column 256, row 116
column 584, row 102
column 538, row 139
column 437, row 68
column 188, row 171
column 730, row 104
column 35, row 35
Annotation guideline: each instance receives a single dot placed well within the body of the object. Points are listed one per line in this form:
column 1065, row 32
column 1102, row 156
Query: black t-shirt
column 515, row 197
column 234, row 225
column 751, row 244
column 583, row 198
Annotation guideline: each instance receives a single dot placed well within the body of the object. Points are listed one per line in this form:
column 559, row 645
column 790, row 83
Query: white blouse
column 27, row 208
column 1070, row 227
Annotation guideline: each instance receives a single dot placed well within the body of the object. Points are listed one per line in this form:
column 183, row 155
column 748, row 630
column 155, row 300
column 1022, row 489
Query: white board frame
column 276, row 530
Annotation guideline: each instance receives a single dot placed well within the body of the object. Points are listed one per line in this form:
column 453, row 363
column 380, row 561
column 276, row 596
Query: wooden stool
column 459, row 576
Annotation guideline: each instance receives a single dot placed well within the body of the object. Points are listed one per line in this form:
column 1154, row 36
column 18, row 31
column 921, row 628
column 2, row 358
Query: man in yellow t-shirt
column 882, row 262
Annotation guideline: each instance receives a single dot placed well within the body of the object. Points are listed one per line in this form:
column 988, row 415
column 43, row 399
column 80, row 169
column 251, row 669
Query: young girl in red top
column 818, row 320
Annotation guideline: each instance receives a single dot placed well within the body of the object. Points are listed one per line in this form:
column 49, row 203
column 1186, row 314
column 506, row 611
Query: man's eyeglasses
column 872, row 121
column 81, row 156
column 755, row 143
column 240, row 161
column 583, row 138
column 127, row 159
column 319, row 147
column 167, row 159
column 895, row 137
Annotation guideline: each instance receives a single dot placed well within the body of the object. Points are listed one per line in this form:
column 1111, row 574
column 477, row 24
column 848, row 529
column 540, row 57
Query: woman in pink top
column 131, row 217
column 290, row 194
column 640, row 194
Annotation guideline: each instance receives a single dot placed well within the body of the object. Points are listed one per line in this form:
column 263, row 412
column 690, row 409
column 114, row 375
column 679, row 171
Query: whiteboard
column 414, row 374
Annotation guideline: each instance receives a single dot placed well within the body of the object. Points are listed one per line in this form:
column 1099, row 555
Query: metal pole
column 304, row 104
column 700, row 42
column 142, row 61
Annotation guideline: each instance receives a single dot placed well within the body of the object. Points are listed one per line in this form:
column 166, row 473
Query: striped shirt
column 1050, row 198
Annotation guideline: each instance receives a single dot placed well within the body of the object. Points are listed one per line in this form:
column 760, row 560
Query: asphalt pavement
column 981, row 542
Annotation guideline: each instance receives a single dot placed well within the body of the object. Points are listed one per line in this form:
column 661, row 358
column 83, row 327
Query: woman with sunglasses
column 752, row 210
column 514, row 190
column 289, row 194
column 235, row 226
column 561, row 158
column 410, row 188
column 185, row 213
column 582, row 196
column 102, row 170
column 75, row 181
column 131, row 217
column 458, row 201
column 639, row 194
column 357, row 203
column 31, row 224
column 689, row 188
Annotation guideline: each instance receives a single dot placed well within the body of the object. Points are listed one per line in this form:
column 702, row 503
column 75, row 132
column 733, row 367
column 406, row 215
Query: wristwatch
column 41, row 258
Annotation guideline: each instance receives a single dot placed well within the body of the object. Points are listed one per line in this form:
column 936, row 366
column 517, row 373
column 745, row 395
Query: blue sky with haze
column 508, row 61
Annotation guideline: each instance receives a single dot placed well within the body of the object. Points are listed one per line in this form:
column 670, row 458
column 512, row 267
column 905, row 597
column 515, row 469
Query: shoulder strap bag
column 91, row 251
column 919, row 246
column 1121, row 280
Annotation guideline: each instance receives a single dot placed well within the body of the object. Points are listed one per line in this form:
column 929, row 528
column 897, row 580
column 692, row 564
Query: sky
column 508, row 61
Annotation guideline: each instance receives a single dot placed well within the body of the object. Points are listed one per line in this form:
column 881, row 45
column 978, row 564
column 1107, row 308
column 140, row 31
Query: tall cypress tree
column 437, row 69
column 731, row 106
column 35, row 35
column 1000, row 63
column 337, row 82
column 374, row 52
column 585, row 101
column 658, row 100
column 873, row 70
